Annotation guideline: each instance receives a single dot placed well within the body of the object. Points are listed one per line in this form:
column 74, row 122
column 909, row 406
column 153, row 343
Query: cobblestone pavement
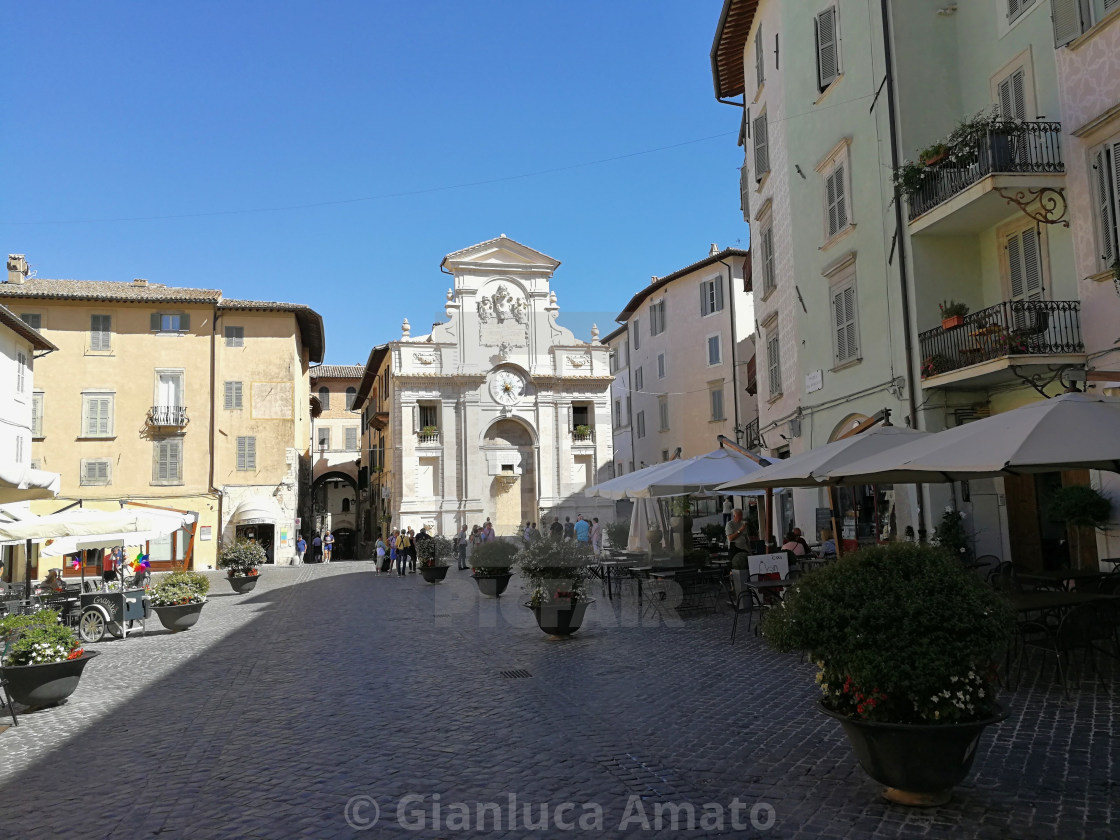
column 328, row 683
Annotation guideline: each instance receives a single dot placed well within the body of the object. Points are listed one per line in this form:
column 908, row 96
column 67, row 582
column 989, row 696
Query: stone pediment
column 504, row 252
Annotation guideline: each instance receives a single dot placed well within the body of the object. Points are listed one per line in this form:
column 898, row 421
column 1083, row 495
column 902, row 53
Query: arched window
column 325, row 398
column 350, row 394
column 345, row 505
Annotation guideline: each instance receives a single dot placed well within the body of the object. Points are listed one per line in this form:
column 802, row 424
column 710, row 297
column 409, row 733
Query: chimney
column 713, row 249
column 139, row 281
column 17, row 269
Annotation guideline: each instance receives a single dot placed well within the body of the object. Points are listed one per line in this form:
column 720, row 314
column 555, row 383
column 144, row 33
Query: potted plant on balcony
column 556, row 576
column 934, row 154
column 909, row 177
column 905, row 638
column 490, row 566
column 240, row 559
column 429, row 431
column 935, row 364
column 431, row 557
column 40, row 658
column 581, row 432
column 178, row 599
column 952, row 314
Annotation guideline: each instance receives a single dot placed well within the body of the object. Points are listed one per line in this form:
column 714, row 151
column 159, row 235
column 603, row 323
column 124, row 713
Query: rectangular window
column 716, row 397
column 641, row 422
column 761, row 147
column 100, row 332
column 660, row 365
column 617, row 413
column 97, row 415
column 657, row 317
column 170, row 322
column 1070, row 17
column 1015, row 8
column 769, row 279
column 774, row 363
column 714, row 354
column 1105, row 178
column 429, row 416
column 231, row 399
column 351, row 437
column 1011, row 95
column 836, row 201
column 663, row 412
column 247, row 453
column 844, row 322
column 21, row 371
column 167, row 461
column 637, row 333
column 37, row 414
column 613, row 361
column 759, row 58
column 711, row 296
column 828, row 48
column 639, row 380
column 32, row 319
column 324, row 438
column 235, row 336
column 169, row 388
column 95, row 471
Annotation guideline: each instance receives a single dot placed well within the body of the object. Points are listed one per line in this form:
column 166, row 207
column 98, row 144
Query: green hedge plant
column 241, row 558
column 178, row 589
column 555, row 570
column 36, row 639
column 433, row 552
column 493, row 558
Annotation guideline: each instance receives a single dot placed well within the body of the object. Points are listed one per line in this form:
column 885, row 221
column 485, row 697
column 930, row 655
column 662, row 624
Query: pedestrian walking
column 461, row 541
column 569, row 529
column 556, row 530
column 379, row 554
column 316, row 549
column 487, row 533
column 596, row 537
column 328, row 547
column 728, row 507
column 301, row 547
column 582, row 529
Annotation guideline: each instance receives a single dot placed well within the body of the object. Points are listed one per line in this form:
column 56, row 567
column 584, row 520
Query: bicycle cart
column 112, row 610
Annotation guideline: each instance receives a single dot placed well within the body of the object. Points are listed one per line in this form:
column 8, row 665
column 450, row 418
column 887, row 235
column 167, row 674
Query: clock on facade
column 507, row 387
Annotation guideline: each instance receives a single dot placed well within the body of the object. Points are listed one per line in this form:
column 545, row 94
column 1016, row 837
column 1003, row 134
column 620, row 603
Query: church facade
column 499, row 412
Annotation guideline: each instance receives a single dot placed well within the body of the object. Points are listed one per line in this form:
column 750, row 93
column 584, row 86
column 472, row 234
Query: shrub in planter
column 1079, row 506
column 951, row 535
column 493, row 559
column 433, row 552
column 241, row 558
column 37, row 639
column 618, row 533
column 555, row 570
column 178, row 589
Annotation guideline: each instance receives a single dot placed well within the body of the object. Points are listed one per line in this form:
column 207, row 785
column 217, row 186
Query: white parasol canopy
column 152, row 524
column 1072, row 431
column 19, row 483
column 812, row 468
column 624, row 486
column 701, row 474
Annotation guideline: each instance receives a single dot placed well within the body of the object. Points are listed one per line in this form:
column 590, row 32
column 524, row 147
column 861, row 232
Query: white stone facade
column 502, row 413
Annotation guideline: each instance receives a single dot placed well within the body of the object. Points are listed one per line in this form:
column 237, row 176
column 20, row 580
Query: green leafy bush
column 493, row 558
column 713, row 532
column 37, row 639
column 951, row 535
column 433, row 551
column 1080, row 505
column 179, row 588
column 618, row 533
column 901, row 633
column 241, row 558
column 555, row 570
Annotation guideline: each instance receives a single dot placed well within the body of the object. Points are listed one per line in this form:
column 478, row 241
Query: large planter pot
column 243, row 584
column 918, row 763
column 493, row 586
column 434, row 574
column 653, row 536
column 180, row 616
column 45, row 685
column 560, row 618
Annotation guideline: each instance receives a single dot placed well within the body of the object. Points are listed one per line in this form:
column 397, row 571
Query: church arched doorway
column 510, row 453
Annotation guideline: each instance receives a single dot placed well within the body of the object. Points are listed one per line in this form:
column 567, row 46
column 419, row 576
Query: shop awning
column 258, row 510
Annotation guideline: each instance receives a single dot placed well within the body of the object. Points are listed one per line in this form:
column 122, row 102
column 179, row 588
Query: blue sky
column 332, row 153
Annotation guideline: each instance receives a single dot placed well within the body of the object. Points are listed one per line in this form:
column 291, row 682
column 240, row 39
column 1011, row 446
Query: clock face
column 507, row 387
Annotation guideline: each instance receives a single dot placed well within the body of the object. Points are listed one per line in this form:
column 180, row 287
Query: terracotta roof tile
column 338, row 372
column 38, row 287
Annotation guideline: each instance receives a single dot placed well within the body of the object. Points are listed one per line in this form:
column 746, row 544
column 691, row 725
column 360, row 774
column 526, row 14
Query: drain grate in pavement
column 517, row 674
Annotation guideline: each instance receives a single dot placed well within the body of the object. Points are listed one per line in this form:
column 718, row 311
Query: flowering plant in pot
column 491, row 563
column 41, row 659
column 431, row 557
column 240, row 559
column 905, row 638
column 556, row 576
column 178, row 599
column 952, row 314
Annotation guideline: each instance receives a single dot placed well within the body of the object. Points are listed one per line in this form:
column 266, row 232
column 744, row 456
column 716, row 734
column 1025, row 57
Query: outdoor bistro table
column 614, row 570
column 1051, row 600
column 1061, row 576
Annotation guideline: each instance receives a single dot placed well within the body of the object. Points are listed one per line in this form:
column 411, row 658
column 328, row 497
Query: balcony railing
column 429, row 436
column 167, row 415
column 583, row 436
column 1010, row 328
column 751, row 437
column 1006, row 148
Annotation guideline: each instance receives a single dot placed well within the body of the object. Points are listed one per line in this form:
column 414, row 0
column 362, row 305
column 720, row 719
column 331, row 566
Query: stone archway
column 510, row 451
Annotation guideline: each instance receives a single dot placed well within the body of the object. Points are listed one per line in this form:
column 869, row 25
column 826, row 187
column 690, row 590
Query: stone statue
column 520, row 311
column 502, row 303
column 485, row 309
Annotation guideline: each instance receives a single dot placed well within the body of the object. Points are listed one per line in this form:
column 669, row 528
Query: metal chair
column 741, row 602
column 6, row 699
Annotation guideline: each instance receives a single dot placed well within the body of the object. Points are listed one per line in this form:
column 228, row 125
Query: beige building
column 336, row 453
column 174, row 397
column 375, row 474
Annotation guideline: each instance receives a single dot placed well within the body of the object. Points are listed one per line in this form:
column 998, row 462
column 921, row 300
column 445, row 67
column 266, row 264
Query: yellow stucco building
column 173, row 397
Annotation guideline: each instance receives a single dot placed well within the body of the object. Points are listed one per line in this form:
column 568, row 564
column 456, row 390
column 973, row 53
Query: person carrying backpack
column 404, row 547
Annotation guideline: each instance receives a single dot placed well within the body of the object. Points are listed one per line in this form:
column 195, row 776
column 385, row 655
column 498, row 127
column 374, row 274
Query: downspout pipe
column 903, row 274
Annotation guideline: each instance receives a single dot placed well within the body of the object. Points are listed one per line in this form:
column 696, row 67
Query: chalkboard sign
column 824, row 520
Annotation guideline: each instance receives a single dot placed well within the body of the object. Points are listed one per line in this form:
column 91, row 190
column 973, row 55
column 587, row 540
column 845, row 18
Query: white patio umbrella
column 701, row 474
column 811, row 469
column 77, row 522
column 646, row 515
column 625, row 486
column 1072, row 431
column 153, row 524
column 19, row 483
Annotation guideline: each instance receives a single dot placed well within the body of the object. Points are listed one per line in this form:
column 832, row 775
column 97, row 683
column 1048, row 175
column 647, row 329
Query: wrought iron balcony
column 1005, row 148
column 751, row 437
column 1010, row 328
column 168, row 415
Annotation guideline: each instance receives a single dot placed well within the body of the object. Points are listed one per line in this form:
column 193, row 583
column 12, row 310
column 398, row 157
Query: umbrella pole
column 835, row 531
column 769, row 513
column 27, row 571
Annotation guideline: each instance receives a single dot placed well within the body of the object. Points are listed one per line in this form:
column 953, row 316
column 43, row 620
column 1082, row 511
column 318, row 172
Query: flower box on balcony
column 952, row 322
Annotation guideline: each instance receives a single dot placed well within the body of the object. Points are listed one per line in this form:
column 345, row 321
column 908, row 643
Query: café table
column 1043, row 599
column 1062, row 577
column 614, row 570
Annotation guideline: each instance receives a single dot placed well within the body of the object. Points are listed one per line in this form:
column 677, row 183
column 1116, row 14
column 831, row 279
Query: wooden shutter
column 1024, row 262
column 828, row 65
column 1011, row 93
column 719, row 293
column 705, row 299
column 1106, row 217
column 36, row 415
column 844, row 313
column 774, row 365
column 759, row 58
column 761, row 149
column 99, row 332
column 1068, row 17
column 227, row 398
column 744, row 192
column 837, row 201
column 156, row 321
column 98, row 416
column 768, row 280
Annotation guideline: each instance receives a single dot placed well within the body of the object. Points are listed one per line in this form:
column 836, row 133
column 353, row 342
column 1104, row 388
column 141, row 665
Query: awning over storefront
column 258, row 510
column 19, row 484
column 154, row 524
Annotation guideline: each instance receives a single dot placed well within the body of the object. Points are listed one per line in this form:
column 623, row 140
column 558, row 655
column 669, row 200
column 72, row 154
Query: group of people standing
column 397, row 552
column 322, row 548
